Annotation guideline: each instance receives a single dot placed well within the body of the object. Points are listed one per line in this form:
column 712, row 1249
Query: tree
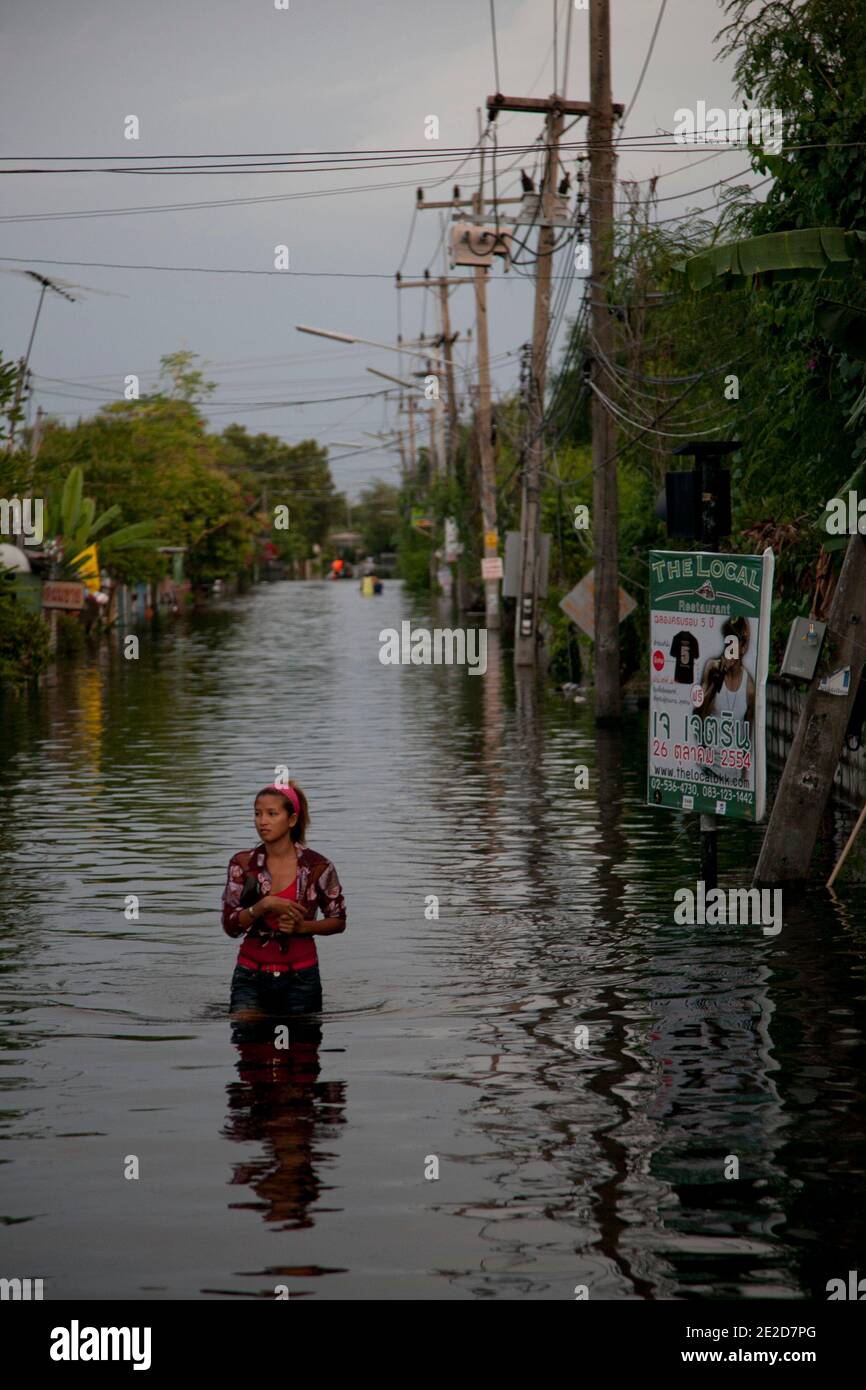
column 296, row 476
column 181, row 380
column 155, row 460
column 376, row 515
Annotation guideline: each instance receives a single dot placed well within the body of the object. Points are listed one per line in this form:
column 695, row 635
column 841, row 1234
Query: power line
column 646, row 63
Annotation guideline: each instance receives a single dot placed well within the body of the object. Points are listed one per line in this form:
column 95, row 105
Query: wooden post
column 811, row 766
column 605, row 501
column 848, row 847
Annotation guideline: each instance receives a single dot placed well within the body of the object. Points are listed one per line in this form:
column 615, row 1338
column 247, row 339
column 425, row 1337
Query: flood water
column 449, row 1038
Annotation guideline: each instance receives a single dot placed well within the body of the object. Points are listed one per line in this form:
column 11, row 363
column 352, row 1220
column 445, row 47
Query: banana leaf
column 138, row 533
column 70, row 505
column 830, row 253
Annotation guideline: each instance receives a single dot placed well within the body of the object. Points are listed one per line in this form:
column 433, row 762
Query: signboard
column 579, row 605
column 62, row 595
column 453, row 545
column 88, row 568
column 491, row 568
column 491, row 539
column 709, row 649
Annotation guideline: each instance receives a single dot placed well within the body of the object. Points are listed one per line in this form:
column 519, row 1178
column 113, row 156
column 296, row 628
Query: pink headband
column 288, row 792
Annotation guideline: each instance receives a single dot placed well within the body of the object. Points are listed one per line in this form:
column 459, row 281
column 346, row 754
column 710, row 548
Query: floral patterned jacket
column 318, row 888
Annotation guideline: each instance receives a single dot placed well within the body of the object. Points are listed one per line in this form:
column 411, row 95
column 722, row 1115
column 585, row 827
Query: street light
column 368, row 342
column 410, row 385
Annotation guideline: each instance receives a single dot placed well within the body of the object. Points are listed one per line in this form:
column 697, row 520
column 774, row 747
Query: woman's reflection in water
column 279, row 1101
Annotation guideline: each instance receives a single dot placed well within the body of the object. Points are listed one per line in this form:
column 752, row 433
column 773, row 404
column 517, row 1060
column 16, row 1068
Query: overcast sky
column 239, row 76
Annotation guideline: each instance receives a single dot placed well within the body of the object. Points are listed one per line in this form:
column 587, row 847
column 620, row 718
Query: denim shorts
column 295, row 992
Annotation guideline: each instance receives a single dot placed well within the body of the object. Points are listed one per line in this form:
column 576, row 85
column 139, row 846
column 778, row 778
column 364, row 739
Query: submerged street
column 582, row 1067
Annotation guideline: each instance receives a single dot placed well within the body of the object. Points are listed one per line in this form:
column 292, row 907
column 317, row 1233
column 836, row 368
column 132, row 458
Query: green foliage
column 71, row 637
column 24, row 640
column 10, row 413
column 181, row 380
column 415, row 544
column 376, row 515
column 808, row 60
column 298, row 476
column 71, row 520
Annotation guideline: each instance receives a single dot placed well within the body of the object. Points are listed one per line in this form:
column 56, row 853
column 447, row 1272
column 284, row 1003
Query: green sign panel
column 709, row 649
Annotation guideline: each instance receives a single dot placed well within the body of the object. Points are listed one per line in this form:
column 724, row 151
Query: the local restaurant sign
column 709, row 650
column 57, row 594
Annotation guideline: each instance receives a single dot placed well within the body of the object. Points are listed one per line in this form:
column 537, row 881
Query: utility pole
column 484, row 421
column 554, row 108
column 807, row 778
column 526, row 623
column 605, row 501
column 526, row 620
column 442, row 283
column 447, row 344
column 413, row 460
column 484, row 415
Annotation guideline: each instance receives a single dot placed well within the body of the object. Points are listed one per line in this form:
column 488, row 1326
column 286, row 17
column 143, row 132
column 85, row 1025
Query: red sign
column 658, row 660
column 62, row 595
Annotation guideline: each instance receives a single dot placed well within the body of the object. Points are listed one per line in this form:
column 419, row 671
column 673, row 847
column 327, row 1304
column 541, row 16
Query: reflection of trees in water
column 552, row 1115
column 820, row 1053
column 280, row 1103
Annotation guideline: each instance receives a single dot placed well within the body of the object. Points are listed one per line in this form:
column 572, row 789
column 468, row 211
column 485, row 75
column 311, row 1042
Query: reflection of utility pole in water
column 608, row 1034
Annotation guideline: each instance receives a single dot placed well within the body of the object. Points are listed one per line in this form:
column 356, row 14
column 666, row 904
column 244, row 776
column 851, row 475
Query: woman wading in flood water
column 271, row 898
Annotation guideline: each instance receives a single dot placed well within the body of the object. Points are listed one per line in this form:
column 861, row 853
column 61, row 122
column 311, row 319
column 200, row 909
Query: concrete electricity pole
column 442, row 283
column 484, row 412
column 484, row 422
column 605, row 501
column 555, row 109
column 526, row 621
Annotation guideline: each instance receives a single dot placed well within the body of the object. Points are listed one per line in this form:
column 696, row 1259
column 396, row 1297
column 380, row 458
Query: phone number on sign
column 708, row 789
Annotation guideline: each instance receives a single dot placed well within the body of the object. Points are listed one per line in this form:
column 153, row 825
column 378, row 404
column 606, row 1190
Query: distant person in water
column 271, row 899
